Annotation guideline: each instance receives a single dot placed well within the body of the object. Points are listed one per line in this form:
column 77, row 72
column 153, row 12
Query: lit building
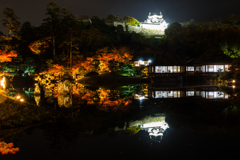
column 139, row 63
column 155, row 22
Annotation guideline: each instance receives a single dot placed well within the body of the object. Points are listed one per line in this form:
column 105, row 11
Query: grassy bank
column 14, row 113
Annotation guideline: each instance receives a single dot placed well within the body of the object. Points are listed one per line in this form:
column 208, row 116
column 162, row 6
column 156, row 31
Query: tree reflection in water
column 70, row 94
column 115, row 112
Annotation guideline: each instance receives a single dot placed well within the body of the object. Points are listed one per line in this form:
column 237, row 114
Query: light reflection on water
column 149, row 131
column 67, row 93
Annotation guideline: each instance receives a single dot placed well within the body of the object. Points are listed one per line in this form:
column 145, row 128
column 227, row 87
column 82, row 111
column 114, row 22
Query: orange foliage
column 104, row 58
column 87, row 97
column 120, row 55
column 57, row 69
column 6, row 148
column 58, row 66
column 6, row 57
column 38, row 46
column 105, row 99
column 5, row 73
column 87, row 65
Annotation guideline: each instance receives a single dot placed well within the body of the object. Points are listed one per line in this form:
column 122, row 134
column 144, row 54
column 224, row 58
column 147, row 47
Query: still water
column 130, row 122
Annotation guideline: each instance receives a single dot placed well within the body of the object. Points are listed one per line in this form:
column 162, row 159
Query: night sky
column 172, row 10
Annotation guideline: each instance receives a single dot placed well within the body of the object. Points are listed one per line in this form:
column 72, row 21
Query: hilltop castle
column 155, row 22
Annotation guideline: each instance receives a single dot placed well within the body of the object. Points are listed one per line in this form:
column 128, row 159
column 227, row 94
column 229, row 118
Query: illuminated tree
column 6, row 148
column 231, row 41
column 6, row 57
column 38, row 46
column 110, row 59
column 55, row 70
column 103, row 61
column 145, row 71
column 131, row 21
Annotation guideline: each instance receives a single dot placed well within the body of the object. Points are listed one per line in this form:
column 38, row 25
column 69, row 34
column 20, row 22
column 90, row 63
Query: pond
column 133, row 122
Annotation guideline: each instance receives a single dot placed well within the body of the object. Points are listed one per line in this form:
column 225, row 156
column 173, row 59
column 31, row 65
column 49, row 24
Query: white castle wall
column 150, row 31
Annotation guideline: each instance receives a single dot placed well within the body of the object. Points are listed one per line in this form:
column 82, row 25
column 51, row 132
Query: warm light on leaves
column 116, row 55
column 6, row 56
column 5, row 73
column 38, row 46
column 57, row 69
column 6, row 148
column 106, row 99
column 58, row 66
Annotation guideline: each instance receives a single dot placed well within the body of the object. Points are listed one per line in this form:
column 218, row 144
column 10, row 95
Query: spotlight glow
column 3, row 82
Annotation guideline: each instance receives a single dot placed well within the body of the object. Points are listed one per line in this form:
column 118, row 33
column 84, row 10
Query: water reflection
column 64, row 101
column 67, row 94
column 199, row 109
column 183, row 94
column 206, row 93
column 72, row 94
column 155, row 128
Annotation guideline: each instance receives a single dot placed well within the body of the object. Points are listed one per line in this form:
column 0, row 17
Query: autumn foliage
column 104, row 56
column 38, row 46
column 56, row 69
column 5, row 73
column 104, row 98
column 6, row 56
column 98, row 63
column 6, row 148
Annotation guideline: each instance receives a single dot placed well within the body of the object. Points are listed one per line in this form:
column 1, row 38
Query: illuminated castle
column 155, row 22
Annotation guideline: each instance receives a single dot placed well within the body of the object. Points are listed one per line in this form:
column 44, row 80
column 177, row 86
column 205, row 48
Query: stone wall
column 136, row 29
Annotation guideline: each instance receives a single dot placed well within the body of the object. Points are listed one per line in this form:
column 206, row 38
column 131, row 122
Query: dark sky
column 172, row 10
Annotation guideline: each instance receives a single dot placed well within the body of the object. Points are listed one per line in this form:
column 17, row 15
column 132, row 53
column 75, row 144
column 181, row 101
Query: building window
column 203, row 94
column 226, row 67
column 190, row 68
column 214, row 68
column 210, row 68
column 167, row 94
column 158, row 94
column 167, row 69
column 160, row 69
column 170, row 69
column 203, row 68
column 190, row 93
column 176, row 94
column 136, row 63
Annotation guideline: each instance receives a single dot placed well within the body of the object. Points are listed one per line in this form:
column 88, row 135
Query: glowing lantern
column 3, row 82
